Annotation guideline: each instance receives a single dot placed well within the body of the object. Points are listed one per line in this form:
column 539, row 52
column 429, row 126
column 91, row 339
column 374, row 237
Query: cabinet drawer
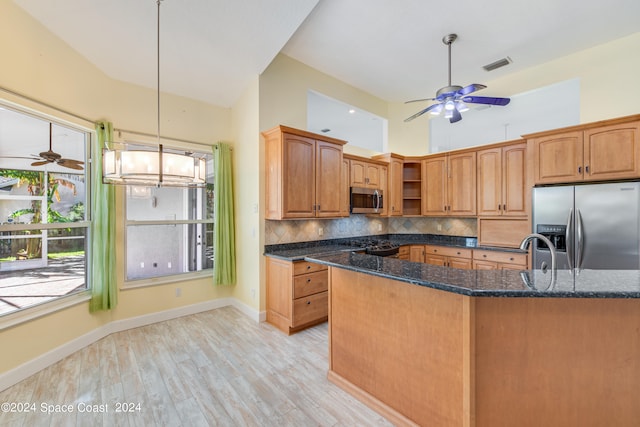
column 403, row 250
column 310, row 308
column 312, row 283
column 447, row 251
column 302, row 267
column 502, row 257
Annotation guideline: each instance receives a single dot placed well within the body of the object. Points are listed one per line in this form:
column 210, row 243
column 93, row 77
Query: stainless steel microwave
column 366, row 200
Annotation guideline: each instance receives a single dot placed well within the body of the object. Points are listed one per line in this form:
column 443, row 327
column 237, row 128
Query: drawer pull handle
column 484, row 255
column 435, row 250
column 510, row 259
column 308, row 302
column 458, row 253
column 308, row 280
column 308, row 267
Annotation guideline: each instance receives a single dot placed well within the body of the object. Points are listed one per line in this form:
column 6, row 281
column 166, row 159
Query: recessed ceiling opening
column 337, row 119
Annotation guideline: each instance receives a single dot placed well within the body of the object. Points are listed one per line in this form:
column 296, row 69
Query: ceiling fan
column 51, row 156
column 453, row 99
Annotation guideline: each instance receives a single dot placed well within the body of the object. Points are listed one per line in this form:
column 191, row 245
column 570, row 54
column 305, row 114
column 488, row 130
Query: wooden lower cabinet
column 404, row 252
column 467, row 259
column 297, row 294
column 497, row 260
column 443, row 255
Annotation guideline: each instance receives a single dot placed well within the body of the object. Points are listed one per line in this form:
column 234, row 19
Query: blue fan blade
column 456, row 116
column 486, row 100
column 421, row 112
column 470, row 89
column 419, row 100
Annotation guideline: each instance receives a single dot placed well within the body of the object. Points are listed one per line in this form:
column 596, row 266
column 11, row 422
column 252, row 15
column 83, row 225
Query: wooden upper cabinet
column 612, row 152
column 435, row 199
column 394, row 193
column 345, row 189
column 462, row 184
column 303, row 171
column 450, row 184
column 593, row 152
column 502, row 181
column 558, row 158
column 365, row 174
column 298, row 175
column 328, row 179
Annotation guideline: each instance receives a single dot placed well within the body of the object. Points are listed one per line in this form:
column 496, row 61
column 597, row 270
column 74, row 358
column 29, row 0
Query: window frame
column 40, row 309
column 167, row 278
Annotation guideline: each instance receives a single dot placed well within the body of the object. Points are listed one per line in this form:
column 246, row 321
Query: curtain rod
column 28, row 98
column 168, row 138
column 60, row 110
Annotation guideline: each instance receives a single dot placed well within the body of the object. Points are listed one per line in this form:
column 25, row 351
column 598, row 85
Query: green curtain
column 224, row 241
column 104, row 294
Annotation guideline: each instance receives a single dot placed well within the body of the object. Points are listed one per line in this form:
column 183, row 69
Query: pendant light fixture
column 152, row 167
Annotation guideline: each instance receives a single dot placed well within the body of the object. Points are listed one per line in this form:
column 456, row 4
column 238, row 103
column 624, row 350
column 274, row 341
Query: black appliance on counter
column 384, row 248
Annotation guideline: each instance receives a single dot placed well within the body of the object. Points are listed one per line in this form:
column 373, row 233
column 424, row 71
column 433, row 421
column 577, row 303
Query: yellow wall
column 248, row 168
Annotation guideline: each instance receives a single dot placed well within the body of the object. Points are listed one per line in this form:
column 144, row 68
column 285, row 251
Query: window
column 43, row 222
column 169, row 230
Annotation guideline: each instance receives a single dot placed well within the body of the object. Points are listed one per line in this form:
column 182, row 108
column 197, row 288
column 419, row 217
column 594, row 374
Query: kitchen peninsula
column 437, row 346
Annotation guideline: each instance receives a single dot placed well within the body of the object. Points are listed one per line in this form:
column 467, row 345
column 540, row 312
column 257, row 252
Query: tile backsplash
column 293, row 231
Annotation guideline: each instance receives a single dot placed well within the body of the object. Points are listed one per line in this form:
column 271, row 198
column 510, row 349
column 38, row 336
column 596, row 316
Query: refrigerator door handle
column 568, row 236
column 580, row 232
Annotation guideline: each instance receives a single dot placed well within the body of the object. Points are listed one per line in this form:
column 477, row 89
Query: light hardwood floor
column 212, row 368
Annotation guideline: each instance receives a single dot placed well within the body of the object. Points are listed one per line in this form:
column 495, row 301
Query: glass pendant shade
column 142, row 167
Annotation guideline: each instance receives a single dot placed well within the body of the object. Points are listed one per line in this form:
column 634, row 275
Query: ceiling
column 211, row 49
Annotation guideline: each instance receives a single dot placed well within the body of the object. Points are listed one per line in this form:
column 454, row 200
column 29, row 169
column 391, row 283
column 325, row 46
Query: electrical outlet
column 320, row 231
column 169, row 264
column 379, row 227
column 142, row 265
column 253, row 293
column 439, row 227
column 178, row 292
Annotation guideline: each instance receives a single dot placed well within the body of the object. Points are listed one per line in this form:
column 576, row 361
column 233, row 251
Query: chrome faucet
column 554, row 267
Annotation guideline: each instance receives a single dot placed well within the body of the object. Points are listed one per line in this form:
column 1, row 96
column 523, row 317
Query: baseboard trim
column 33, row 366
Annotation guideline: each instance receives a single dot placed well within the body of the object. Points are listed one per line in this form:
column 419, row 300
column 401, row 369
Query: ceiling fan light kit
column 161, row 168
column 453, row 98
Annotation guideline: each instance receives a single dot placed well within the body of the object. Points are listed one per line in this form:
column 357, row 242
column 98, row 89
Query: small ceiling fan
column 51, row 156
column 453, row 99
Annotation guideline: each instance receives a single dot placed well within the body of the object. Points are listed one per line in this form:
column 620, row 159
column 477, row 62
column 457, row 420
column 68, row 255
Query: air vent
column 497, row 64
column 325, row 130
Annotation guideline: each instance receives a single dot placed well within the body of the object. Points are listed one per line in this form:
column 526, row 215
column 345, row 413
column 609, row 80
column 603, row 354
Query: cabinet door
column 394, row 193
column 435, row 260
column 298, row 177
column 461, row 263
column 372, row 175
column 515, row 195
column 558, row 158
column 490, row 182
column 434, row 202
column 416, row 253
column 484, row 265
column 612, row 152
column 382, row 175
column 328, row 179
column 462, row 184
column 358, row 173
column 345, row 189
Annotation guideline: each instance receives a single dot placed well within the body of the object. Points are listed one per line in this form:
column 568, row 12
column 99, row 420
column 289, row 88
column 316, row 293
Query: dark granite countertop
column 492, row 283
column 298, row 251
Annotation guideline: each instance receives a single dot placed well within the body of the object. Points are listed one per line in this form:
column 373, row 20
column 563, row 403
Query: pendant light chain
column 158, row 90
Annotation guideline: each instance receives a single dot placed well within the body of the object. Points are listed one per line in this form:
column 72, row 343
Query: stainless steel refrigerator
column 594, row 226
